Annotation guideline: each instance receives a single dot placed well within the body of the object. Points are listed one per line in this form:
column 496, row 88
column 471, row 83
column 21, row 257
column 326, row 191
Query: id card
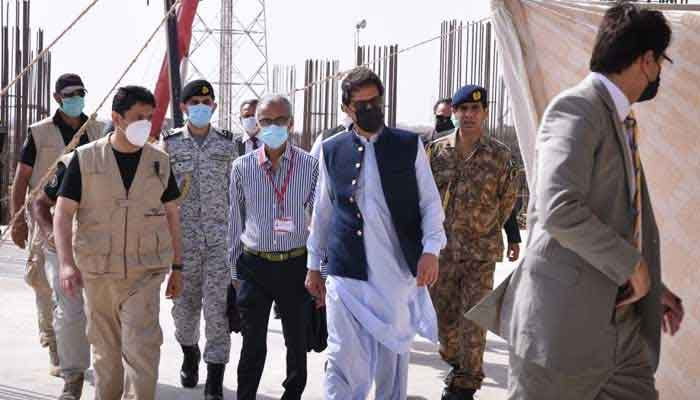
column 283, row 226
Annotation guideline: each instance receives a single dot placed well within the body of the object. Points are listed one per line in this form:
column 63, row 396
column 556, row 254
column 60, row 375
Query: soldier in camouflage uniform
column 475, row 175
column 201, row 157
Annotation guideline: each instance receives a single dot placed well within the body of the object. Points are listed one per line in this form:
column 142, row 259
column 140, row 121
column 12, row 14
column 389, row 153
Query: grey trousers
column 69, row 323
column 632, row 377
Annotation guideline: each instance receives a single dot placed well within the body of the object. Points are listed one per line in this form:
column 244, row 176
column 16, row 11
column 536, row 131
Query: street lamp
column 360, row 25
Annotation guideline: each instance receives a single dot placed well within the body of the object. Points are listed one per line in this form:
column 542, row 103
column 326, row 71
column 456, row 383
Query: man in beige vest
column 45, row 142
column 122, row 193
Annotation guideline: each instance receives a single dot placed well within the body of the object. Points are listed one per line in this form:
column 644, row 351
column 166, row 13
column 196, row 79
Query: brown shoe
column 73, row 388
column 54, row 369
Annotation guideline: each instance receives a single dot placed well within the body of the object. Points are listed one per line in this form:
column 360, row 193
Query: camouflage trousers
column 206, row 278
column 460, row 286
column 35, row 276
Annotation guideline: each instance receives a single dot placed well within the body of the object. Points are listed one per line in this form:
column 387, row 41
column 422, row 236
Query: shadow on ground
column 167, row 392
column 13, row 393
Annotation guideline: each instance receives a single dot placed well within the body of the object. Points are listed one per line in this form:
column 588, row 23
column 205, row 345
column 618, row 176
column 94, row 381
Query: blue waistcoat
column 395, row 151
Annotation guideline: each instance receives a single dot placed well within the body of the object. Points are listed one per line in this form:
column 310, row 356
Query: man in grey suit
column 583, row 312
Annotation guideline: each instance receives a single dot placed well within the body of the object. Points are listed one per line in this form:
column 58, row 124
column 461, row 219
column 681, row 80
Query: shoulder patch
column 224, row 133
column 172, row 133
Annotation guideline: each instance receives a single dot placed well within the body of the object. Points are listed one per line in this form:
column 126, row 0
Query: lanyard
column 280, row 193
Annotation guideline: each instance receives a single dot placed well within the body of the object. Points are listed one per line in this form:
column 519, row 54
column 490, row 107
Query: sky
column 102, row 44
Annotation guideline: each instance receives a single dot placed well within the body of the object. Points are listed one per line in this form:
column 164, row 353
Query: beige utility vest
column 50, row 145
column 121, row 234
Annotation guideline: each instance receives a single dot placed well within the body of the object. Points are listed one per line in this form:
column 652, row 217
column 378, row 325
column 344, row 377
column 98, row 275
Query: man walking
column 378, row 218
column 583, row 312
column 201, row 156
column 476, row 178
column 121, row 191
column 273, row 187
column 45, row 143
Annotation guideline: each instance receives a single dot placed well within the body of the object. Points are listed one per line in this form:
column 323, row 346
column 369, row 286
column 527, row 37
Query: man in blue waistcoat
column 379, row 219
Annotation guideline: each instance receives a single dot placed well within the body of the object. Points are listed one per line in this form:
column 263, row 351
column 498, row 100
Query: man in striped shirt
column 272, row 192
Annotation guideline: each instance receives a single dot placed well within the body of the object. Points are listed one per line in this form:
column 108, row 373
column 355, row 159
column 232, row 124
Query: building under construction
column 28, row 100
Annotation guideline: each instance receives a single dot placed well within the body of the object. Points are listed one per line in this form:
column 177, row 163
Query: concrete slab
column 24, row 365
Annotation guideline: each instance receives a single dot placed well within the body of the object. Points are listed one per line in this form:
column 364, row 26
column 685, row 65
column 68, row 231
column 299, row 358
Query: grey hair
column 274, row 99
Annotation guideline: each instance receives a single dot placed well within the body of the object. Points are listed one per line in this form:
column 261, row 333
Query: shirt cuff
column 313, row 263
column 432, row 247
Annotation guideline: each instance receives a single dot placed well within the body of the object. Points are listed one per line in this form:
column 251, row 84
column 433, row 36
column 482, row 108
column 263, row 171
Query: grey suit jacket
column 557, row 308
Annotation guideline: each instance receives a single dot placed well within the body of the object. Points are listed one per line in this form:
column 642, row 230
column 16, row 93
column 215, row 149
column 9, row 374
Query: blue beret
column 469, row 94
column 199, row 87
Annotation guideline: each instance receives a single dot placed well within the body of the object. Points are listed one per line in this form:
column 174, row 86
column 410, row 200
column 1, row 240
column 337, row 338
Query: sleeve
column 316, row 148
column 320, row 220
column 511, row 226
column 433, row 216
column 236, row 223
column 51, row 188
column 72, row 185
column 172, row 192
column 507, row 190
column 28, row 154
column 566, row 146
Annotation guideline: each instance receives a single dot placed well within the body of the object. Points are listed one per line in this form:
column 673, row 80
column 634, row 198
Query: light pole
column 360, row 25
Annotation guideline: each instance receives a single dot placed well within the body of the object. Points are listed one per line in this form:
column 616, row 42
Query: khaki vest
column 120, row 232
column 49, row 145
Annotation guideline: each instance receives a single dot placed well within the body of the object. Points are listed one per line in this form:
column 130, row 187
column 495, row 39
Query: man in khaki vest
column 45, row 143
column 122, row 193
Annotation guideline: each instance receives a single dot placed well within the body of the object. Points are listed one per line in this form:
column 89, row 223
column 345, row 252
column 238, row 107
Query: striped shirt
column 254, row 203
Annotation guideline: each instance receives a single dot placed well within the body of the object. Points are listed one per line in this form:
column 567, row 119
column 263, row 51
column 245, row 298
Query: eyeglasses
column 667, row 58
column 279, row 121
column 78, row 92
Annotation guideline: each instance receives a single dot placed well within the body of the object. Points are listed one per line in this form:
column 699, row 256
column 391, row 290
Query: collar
column 63, row 126
column 262, row 156
column 372, row 139
column 452, row 139
column 622, row 103
column 186, row 134
column 247, row 137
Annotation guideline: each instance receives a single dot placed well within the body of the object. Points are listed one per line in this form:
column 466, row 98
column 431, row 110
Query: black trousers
column 262, row 283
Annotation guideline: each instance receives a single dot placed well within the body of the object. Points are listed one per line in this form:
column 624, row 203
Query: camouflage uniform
column 202, row 173
column 478, row 192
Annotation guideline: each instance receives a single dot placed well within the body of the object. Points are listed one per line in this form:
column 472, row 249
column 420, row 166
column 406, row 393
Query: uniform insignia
column 205, row 90
column 172, row 133
column 476, row 95
column 225, row 134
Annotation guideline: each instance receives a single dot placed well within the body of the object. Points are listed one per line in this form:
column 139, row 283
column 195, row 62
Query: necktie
column 633, row 136
column 255, row 142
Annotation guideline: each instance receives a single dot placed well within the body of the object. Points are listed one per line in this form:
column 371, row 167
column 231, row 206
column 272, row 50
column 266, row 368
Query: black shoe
column 189, row 373
column 214, row 388
column 458, row 394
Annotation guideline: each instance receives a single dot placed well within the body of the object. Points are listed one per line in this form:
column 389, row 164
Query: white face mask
column 250, row 124
column 137, row 132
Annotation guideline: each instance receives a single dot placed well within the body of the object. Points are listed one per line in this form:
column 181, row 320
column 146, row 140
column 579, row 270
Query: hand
column 71, row 279
column 427, row 270
column 672, row 312
column 316, row 286
column 513, row 251
column 174, row 287
column 20, row 232
column 639, row 284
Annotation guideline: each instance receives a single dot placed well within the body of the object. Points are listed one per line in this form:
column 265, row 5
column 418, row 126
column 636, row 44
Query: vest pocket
column 92, row 252
column 155, row 249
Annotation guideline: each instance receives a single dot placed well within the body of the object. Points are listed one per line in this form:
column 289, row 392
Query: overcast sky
column 100, row 46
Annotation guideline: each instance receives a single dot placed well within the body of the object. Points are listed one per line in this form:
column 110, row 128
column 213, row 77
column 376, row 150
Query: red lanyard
column 280, row 193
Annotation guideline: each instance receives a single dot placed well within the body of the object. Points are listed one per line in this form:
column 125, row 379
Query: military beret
column 469, row 94
column 200, row 87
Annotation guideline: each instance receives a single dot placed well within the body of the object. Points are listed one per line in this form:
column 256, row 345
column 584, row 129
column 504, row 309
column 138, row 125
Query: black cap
column 199, row 87
column 69, row 83
column 470, row 94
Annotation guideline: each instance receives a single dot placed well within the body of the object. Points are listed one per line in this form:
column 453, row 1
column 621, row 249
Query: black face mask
column 651, row 90
column 370, row 118
column 443, row 123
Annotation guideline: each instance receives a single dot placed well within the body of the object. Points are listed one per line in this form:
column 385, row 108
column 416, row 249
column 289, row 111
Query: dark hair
column 626, row 33
column 127, row 96
column 357, row 78
column 446, row 100
column 250, row 102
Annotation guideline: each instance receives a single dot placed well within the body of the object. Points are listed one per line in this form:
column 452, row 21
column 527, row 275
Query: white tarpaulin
column 546, row 47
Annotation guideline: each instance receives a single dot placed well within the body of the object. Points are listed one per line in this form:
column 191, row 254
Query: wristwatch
column 176, row 267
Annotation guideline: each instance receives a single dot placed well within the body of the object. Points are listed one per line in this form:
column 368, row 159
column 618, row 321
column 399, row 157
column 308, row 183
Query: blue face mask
column 73, row 106
column 199, row 115
column 273, row 136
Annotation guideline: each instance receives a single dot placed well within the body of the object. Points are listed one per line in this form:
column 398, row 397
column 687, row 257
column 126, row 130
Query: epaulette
column 172, row 133
column 225, row 134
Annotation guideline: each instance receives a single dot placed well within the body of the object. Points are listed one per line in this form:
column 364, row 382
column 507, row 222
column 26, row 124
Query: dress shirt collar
column 622, row 103
column 262, row 156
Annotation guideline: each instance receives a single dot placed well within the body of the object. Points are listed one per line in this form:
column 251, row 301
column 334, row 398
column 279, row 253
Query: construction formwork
column 28, row 100
column 383, row 60
column 321, row 99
